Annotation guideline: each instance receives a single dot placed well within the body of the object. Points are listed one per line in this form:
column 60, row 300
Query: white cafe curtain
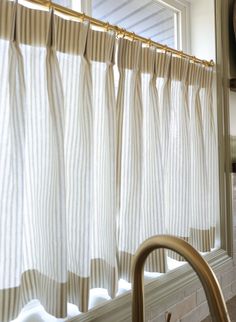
column 85, row 175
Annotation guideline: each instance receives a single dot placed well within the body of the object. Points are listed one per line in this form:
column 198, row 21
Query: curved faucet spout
column 210, row 284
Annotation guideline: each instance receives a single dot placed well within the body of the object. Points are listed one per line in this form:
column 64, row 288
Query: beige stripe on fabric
column 207, row 80
column 32, row 26
column 156, row 262
column 200, row 221
column 195, row 75
column 129, row 54
column 90, row 166
column 164, row 88
column 177, row 167
column 70, row 36
column 125, row 265
column 141, row 201
column 103, row 275
column 103, row 216
column 78, row 291
column 34, row 285
column 179, row 69
column 210, row 142
column 7, row 19
column 201, row 239
column 129, row 106
column 96, row 48
column 148, row 60
column 212, row 236
column 162, row 64
column 152, row 220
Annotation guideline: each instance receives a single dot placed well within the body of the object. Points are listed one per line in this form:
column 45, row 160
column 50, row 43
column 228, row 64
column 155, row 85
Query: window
column 149, row 19
column 161, row 21
column 174, row 18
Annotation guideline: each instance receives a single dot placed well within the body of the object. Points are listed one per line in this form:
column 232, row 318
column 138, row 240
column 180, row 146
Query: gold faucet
column 207, row 277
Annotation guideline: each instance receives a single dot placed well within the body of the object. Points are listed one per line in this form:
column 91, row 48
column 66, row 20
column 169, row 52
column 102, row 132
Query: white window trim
column 159, row 290
column 182, row 8
column 82, row 6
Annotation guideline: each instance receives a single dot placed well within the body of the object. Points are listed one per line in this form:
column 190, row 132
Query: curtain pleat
column 90, row 160
column 129, row 61
column 199, row 222
column 12, row 140
column 210, row 143
column 177, row 176
column 87, row 175
column 100, row 51
column 152, row 200
column 77, row 83
column 164, row 86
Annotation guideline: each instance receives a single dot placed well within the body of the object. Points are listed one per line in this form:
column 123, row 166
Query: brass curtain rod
column 119, row 31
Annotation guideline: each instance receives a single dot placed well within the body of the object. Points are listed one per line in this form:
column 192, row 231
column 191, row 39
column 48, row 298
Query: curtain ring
column 149, row 42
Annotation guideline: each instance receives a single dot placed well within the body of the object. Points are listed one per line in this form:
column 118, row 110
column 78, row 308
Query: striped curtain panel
column 86, row 175
column 141, row 208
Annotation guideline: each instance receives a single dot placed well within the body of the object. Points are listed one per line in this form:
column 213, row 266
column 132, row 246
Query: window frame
column 182, row 9
column 222, row 89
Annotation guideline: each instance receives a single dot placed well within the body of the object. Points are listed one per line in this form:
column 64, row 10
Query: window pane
column 65, row 3
column 149, row 19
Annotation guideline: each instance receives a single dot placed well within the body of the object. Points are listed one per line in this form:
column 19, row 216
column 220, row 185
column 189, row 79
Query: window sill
column 156, row 292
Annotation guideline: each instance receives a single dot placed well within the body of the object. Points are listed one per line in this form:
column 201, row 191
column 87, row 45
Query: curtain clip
column 149, row 43
column 82, row 17
column 133, row 36
column 107, row 26
column 50, row 7
column 212, row 63
column 123, row 33
column 165, row 48
column 117, row 31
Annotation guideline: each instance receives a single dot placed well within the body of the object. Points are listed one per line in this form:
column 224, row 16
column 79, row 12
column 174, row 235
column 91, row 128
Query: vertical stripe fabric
column 210, row 142
column 86, row 174
column 152, row 201
column 129, row 61
column 199, row 197
column 177, row 168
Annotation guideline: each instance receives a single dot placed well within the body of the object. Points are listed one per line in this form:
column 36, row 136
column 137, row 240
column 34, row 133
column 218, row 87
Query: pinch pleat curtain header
column 86, row 174
column 71, row 37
